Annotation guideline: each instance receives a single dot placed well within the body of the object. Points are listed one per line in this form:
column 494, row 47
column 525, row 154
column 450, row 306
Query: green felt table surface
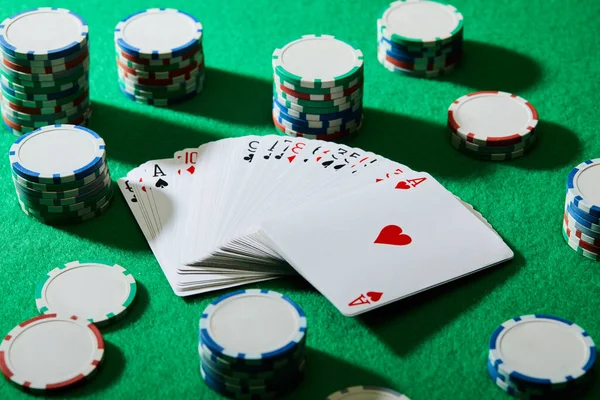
column 431, row 346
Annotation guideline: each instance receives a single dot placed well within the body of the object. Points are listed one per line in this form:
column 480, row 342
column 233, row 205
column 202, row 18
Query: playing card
column 385, row 242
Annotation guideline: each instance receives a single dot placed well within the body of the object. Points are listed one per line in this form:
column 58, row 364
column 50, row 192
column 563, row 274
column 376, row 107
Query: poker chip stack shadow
column 160, row 59
column 541, row 357
column 420, row 37
column 492, row 125
column 318, row 88
column 44, row 70
column 581, row 220
column 60, row 174
column 252, row 344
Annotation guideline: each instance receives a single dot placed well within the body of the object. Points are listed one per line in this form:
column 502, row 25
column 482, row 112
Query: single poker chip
column 158, row 62
column 492, row 118
column 163, row 82
column 594, row 256
column 69, row 74
column 93, row 290
column 52, row 69
column 421, row 74
column 541, row 350
column 318, row 97
column 33, row 34
column 355, row 96
column 352, row 124
column 49, row 187
column 415, row 66
column 346, row 113
column 319, row 91
column 158, row 33
column 491, row 150
column 427, row 52
column 582, row 221
column 421, row 22
column 11, row 119
column 197, row 59
column 316, row 124
column 191, row 67
column 69, row 219
column 46, row 63
column 366, row 393
column 572, row 231
column 57, row 153
column 582, row 185
column 51, row 352
column 80, row 83
column 317, row 110
column 40, row 97
column 272, row 323
column 317, row 61
column 580, row 213
column 460, row 145
column 325, row 137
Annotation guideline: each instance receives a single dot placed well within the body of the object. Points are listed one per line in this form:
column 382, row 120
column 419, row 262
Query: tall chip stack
column 318, row 88
column 252, row 345
column 45, row 70
column 420, row 38
column 159, row 54
column 581, row 219
column 60, row 174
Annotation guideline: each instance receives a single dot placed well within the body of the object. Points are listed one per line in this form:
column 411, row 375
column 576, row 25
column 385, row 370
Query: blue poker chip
column 57, row 154
column 542, row 351
column 299, row 122
column 19, row 34
column 572, row 210
column 590, row 218
column 583, row 188
column 158, row 33
column 571, row 221
column 351, row 124
column 318, row 117
column 273, row 326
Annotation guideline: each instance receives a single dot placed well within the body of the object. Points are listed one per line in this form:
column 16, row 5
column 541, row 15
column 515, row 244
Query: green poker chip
column 317, row 110
column 317, row 103
column 317, row 61
column 91, row 200
column 45, row 104
column 98, row 291
column 198, row 58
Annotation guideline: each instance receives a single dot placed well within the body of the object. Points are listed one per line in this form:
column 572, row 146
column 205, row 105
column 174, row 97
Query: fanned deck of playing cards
column 363, row 230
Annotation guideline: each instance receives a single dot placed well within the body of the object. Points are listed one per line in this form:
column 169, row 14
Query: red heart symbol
column 392, row 234
column 374, row 296
column 402, row 185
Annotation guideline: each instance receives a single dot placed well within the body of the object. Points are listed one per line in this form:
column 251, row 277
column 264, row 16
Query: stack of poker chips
column 45, row 70
column 252, row 343
column 318, row 88
column 60, row 174
column 581, row 220
column 420, row 38
column 541, row 357
column 160, row 59
column 492, row 125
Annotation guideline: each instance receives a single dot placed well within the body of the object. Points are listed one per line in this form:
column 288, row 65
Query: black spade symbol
column 161, row 183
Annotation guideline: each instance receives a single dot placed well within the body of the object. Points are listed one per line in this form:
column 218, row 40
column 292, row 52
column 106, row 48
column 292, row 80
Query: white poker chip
column 51, row 352
column 541, row 349
column 252, row 325
column 43, row 34
column 57, row 154
column 583, row 187
column 158, row 33
column 96, row 291
column 317, row 61
column 367, row 393
column 420, row 21
column 492, row 118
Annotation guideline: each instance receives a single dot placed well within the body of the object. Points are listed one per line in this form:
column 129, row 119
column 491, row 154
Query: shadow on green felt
column 405, row 324
column 330, row 374
column 425, row 146
column 488, row 67
column 234, row 98
column 135, row 138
